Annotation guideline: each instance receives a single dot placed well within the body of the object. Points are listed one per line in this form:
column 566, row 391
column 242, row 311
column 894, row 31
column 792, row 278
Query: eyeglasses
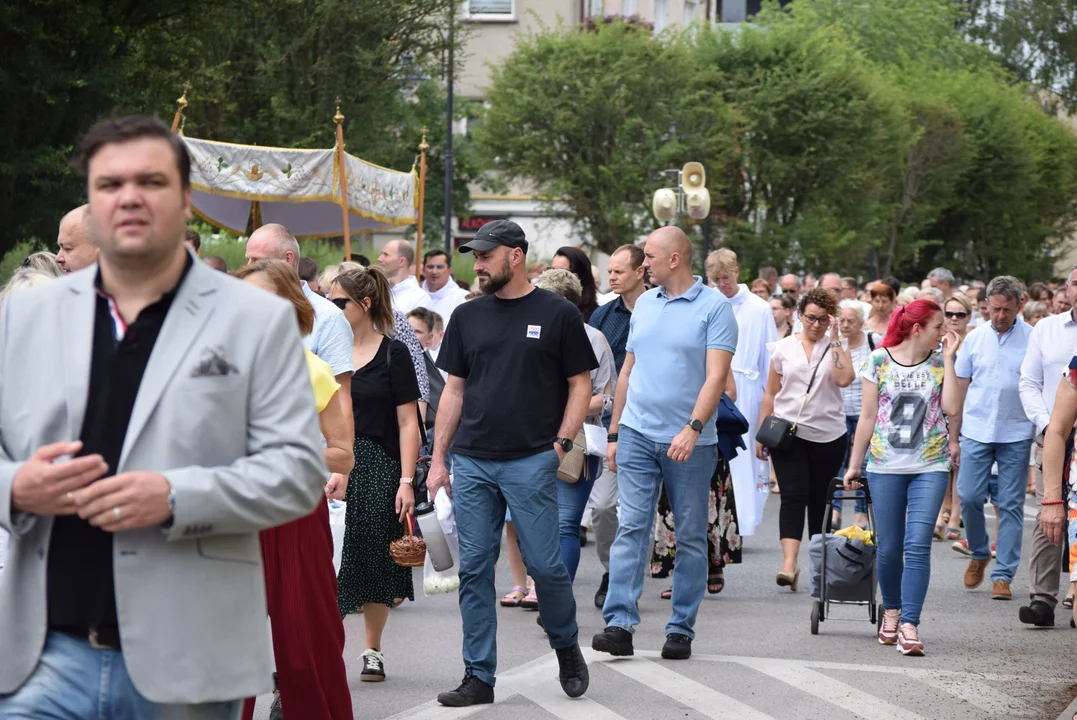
column 958, row 315
column 341, row 302
column 813, row 320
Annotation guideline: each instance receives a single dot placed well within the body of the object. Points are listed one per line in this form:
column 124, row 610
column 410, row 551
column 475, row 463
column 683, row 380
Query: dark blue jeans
column 571, row 501
column 850, row 429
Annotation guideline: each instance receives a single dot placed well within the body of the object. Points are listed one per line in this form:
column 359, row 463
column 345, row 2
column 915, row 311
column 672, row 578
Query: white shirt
column 331, row 338
column 1051, row 346
column 445, row 300
column 407, row 295
column 604, row 298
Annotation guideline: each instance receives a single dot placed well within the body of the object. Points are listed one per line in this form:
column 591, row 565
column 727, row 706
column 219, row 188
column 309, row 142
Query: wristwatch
column 696, row 425
column 406, row 481
column 565, row 444
column 835, row 344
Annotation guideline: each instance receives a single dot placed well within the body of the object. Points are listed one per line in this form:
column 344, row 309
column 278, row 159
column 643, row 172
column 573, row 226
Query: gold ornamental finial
column 339, row 117
column 181, row 101
column 423, row 147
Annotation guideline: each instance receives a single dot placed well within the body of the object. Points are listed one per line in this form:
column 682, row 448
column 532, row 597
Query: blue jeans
column 481, row 490
column 973, row 483
column 642, row 469
column 850, row 431
column 905, row 510
column 74, row 681
column 571, row 501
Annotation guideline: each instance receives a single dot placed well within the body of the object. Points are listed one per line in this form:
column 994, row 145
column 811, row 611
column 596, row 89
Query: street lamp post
column 448, row 138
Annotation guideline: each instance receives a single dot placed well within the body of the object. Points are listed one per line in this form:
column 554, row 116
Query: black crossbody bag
column 777, row 433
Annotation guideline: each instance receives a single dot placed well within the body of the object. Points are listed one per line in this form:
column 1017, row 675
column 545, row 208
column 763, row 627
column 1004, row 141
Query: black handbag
column 777, row 433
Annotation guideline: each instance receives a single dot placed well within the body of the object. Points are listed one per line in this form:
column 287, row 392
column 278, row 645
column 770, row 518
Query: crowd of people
column 208, row 417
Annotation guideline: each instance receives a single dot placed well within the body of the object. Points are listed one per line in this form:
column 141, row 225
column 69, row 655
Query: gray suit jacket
column 242, row 451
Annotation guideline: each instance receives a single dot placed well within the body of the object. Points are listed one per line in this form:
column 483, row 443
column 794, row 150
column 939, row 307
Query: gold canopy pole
column 339, row 120
column 423, row 147
column 181, row 105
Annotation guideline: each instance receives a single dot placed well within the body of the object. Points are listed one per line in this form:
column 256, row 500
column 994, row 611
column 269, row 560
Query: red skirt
column 308, row 633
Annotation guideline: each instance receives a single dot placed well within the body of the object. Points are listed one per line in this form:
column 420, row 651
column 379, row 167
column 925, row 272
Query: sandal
column 939, row 531
column 667, row 594
column 715, row 583
column 514, row 597
column 1068, row 602
column 530, row 602
column 953, row 534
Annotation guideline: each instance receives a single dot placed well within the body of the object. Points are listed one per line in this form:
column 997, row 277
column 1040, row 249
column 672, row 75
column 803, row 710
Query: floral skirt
column 1072, row 532
column 723, row 537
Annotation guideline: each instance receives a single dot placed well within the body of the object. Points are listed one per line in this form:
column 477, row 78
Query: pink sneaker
column 888, row 632
column 908, row 641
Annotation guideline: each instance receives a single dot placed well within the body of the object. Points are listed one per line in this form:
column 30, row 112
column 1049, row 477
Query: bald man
column 831, row 281
column 76, row 249
column 396, row 260
column 790, row 285
column 681, row 341
column 331, row 338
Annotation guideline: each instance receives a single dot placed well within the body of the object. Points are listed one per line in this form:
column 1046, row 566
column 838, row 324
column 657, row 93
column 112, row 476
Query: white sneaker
column 373, row 666
column 909, row 640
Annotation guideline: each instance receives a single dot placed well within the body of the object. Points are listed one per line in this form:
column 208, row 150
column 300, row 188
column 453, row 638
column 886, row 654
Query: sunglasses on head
column 958, row 315
column 341, row 302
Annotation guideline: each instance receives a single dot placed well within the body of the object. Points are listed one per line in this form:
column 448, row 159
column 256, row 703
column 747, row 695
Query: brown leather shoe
column 974, row 575
column 1001, row 591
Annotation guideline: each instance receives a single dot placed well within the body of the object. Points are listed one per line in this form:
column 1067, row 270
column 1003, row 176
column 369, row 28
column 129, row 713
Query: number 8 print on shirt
column 910, row 430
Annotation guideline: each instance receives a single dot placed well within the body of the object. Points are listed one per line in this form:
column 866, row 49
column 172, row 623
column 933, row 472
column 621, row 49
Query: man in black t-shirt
column 519, row 365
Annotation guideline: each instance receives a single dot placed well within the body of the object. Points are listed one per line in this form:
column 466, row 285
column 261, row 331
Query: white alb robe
column 751, row 364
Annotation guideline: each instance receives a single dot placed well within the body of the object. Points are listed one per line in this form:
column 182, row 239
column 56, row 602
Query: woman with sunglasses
column 805, row 471
column 957, row 315
column 380, row 496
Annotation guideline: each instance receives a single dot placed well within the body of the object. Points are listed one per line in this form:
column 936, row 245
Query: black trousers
column 805, row 473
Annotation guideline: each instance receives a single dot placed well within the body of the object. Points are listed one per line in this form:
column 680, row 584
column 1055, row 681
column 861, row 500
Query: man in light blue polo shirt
column 994, row 429
column 681, row 341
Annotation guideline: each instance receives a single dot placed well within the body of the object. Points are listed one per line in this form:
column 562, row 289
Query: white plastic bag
column 336, row 525
column 434, row 582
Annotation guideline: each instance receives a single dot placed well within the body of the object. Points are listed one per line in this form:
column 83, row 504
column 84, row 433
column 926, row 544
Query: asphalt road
column 754, row 657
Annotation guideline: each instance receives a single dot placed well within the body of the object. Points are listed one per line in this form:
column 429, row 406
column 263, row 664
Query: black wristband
column 611, row 437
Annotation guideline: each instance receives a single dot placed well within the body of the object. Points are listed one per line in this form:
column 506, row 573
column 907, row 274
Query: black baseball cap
column 495, row 233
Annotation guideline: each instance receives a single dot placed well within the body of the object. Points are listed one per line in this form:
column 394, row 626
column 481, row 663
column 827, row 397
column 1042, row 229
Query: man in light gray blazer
column 154, row 416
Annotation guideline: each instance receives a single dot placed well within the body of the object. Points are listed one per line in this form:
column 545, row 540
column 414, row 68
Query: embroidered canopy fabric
column 297, row 188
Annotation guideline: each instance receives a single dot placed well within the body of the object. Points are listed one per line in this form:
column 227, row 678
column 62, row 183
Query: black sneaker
column 613, row 640
column 573, row 671
column 373, row 666
column 603, row 589
column 472, row 691
column 1037, row 613
column 677, row 647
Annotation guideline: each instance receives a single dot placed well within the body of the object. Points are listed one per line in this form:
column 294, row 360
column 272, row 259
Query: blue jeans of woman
column 571, row 501
column 905, row 510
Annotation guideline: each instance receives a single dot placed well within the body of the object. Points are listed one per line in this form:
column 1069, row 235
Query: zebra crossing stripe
column 833, row 691
column 704, row 700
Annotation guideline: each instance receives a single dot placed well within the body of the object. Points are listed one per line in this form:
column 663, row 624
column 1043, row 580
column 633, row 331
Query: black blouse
column 378, row 388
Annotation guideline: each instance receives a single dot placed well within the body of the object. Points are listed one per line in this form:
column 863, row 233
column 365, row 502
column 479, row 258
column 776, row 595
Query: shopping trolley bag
column 849, row 567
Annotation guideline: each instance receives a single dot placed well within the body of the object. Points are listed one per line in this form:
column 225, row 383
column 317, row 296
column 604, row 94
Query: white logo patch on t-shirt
column 533, row 331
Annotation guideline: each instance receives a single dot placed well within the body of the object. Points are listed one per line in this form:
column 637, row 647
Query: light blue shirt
column 331, row 338
column 993, row 412
column 669, row 338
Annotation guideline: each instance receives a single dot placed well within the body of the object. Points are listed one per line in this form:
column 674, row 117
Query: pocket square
column 213, row 363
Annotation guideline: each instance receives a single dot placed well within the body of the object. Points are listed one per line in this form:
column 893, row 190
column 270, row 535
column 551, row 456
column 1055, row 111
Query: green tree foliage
column 870, row 139
column 591, row 119
column 262, row 72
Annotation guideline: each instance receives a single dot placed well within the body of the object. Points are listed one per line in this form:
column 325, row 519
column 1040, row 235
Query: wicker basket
column 408, row 551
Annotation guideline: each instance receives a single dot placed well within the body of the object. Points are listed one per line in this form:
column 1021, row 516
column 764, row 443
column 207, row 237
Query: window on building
column 594, row 8
column 661, row 15
column 691, row 11
column 491, row 9
column 630, row 7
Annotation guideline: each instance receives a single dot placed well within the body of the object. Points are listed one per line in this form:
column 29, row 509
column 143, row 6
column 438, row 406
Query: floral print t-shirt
column 910, row 429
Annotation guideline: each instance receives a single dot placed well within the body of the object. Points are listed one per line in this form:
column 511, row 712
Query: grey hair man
column 77, row 250
column 790, row 285
column 397, row 259
column 943, row 280
column 994, row 429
